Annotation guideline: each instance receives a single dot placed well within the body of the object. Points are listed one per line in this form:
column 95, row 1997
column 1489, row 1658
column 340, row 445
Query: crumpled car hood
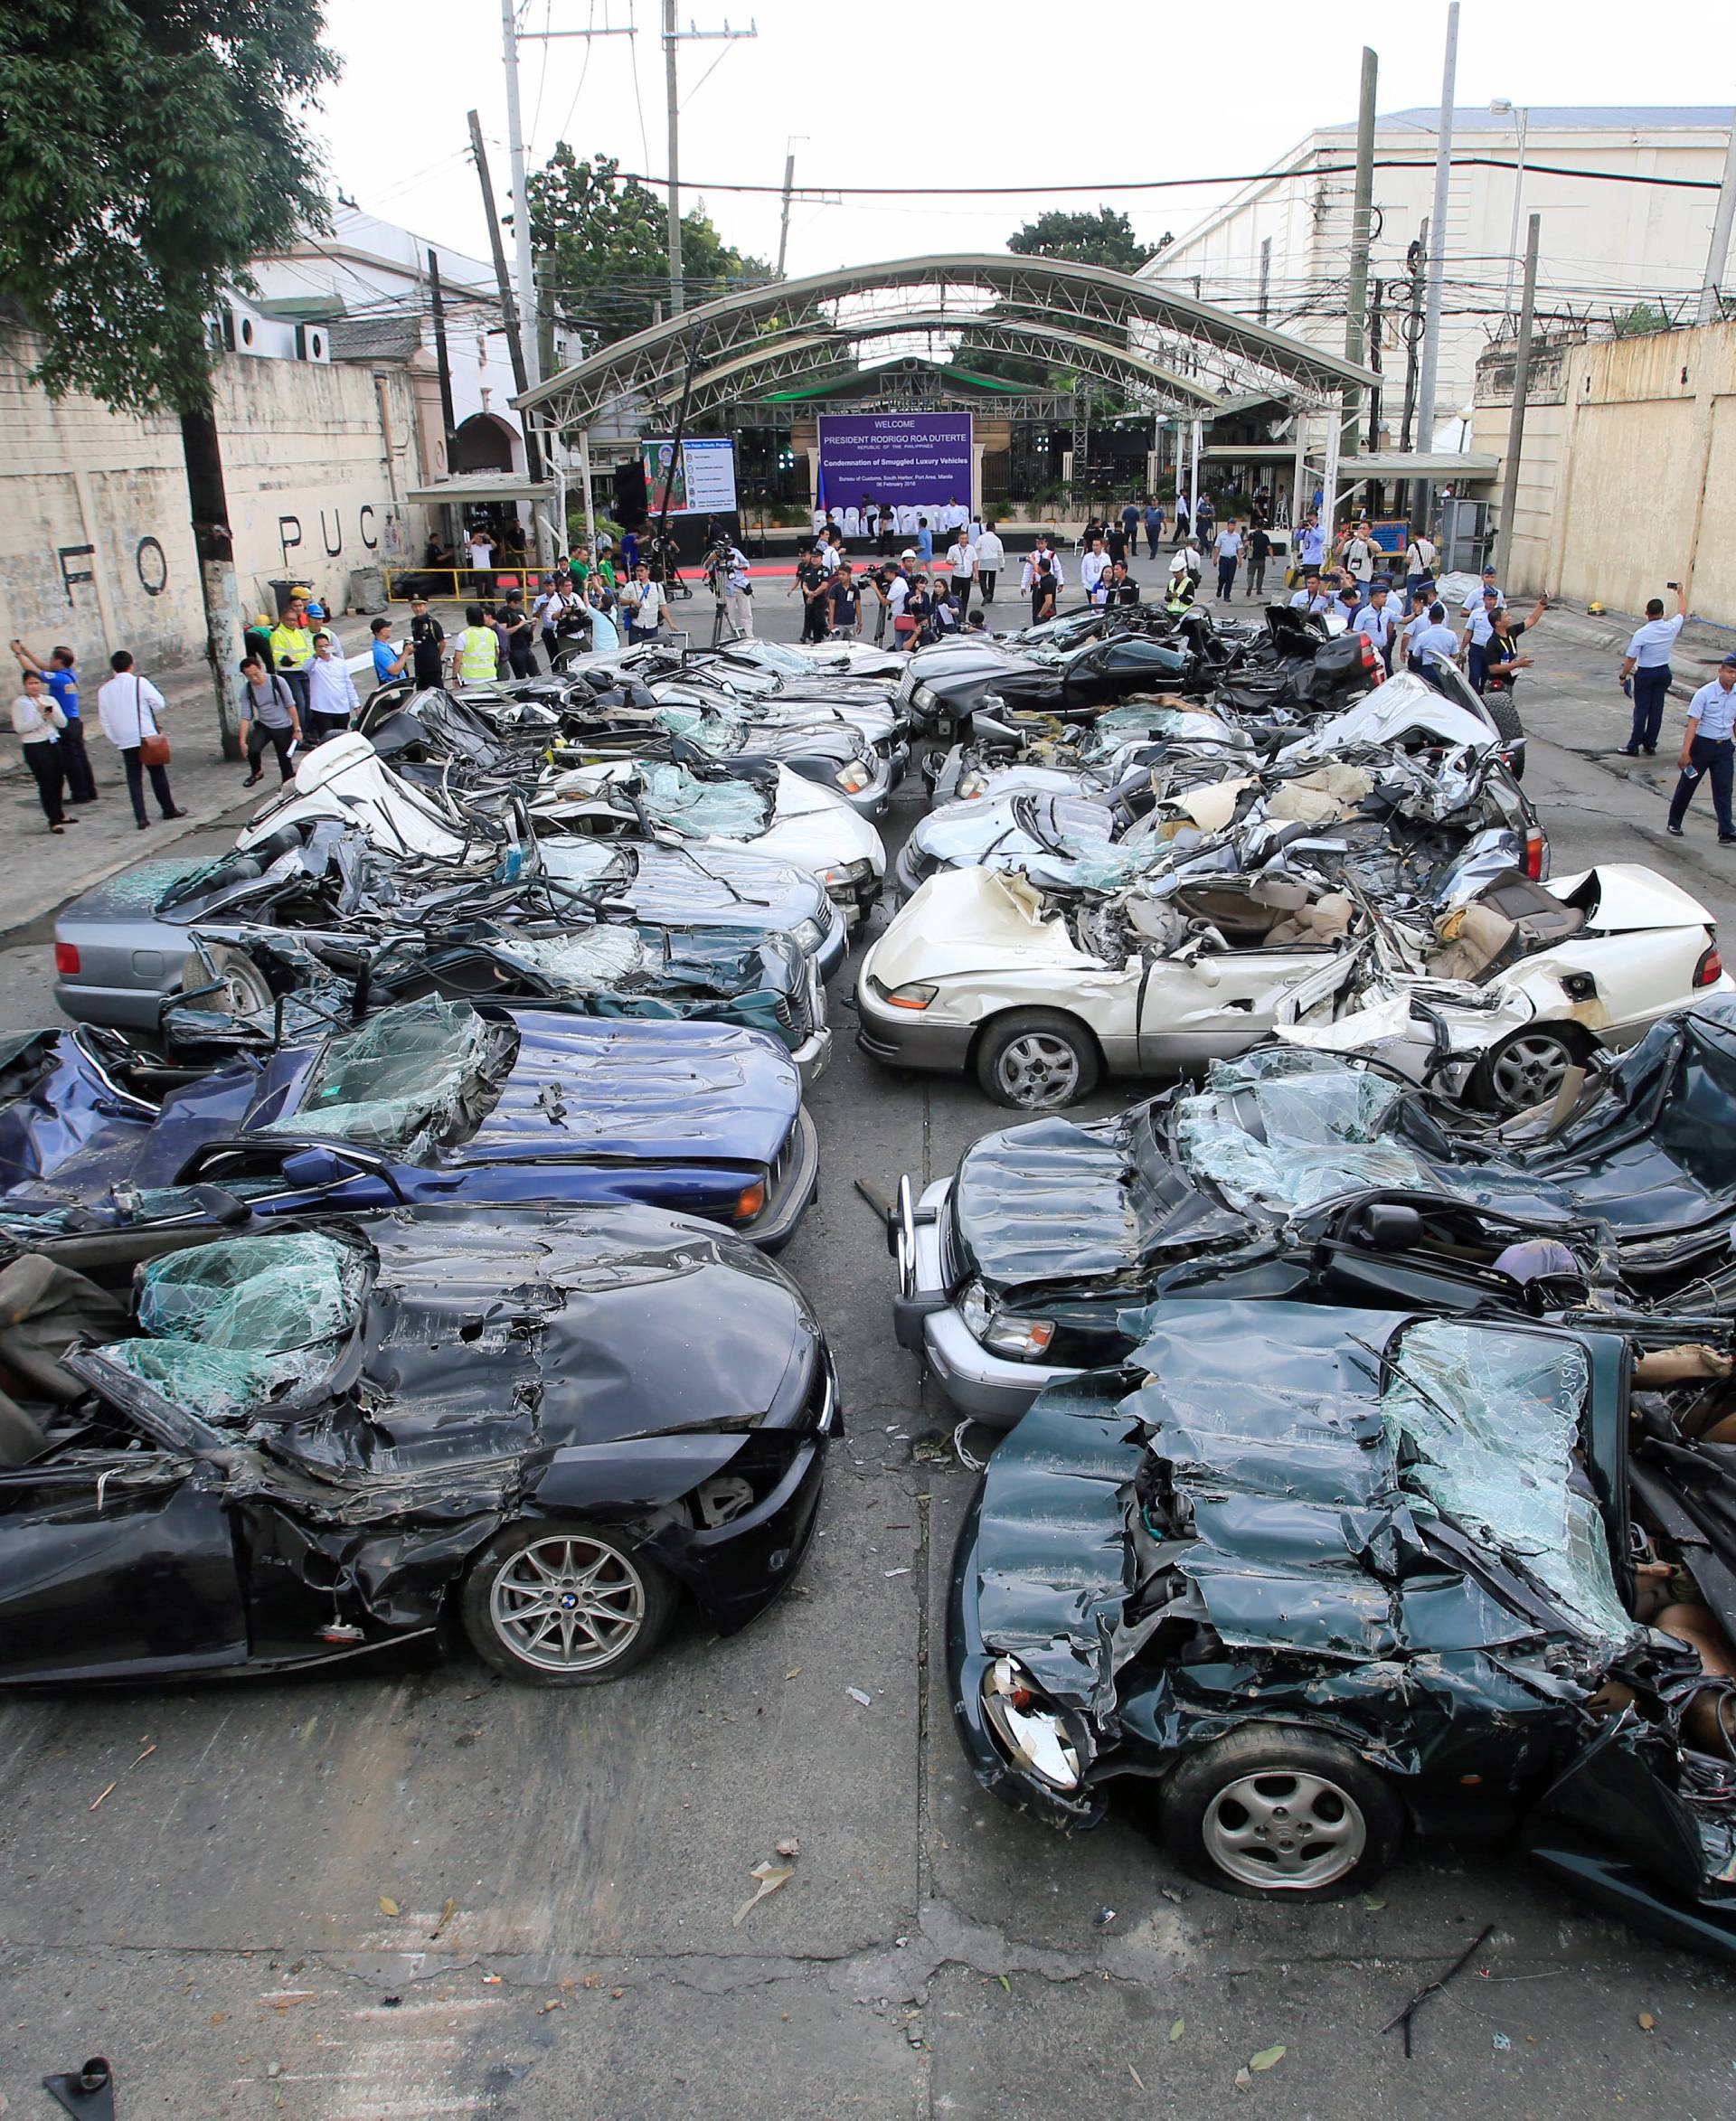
column 1060, row 1203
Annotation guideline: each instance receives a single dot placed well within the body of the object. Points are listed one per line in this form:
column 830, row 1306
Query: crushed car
column 428, row 1101
column 1314, row 1580
column 228, row 1449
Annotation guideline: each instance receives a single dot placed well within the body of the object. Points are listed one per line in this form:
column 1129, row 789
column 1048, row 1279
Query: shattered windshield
column 1282, row 1130
column 422, row 1073
column 1486, row 1426
column 227, row 1328
column 703, row 809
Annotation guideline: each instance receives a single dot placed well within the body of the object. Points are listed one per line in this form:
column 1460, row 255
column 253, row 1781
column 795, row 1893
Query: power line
column 1609, row 176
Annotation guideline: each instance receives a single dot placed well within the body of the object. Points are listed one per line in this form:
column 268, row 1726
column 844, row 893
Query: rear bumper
column 983, row 1385
column 138, row 1008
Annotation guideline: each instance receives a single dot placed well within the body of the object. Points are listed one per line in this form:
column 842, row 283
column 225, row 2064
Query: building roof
column 1564, row 118
column 374, row 338
column 485, row 486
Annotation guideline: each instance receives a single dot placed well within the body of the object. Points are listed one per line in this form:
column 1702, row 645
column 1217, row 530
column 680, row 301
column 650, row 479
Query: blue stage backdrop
column 911, row 459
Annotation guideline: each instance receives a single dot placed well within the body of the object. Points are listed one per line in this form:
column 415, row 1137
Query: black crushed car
column 1308, row 1580
column 227, row 1448
column 1305, row 1174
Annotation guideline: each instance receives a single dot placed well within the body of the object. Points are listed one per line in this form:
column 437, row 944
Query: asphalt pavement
column 410, row 1891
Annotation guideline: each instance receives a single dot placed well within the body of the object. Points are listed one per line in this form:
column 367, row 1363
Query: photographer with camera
column 726, row 570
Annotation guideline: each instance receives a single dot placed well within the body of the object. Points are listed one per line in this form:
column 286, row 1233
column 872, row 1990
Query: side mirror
column 306, row 1170
column 1387, row 1226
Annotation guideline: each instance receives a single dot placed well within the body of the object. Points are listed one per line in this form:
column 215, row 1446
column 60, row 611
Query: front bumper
column 969, row 1659
column 736, row 1570
column 813, row 1056
column 794, row 1182
column 901, row 1038
column 910, row 868
column 986, row 1387
column 856, row 899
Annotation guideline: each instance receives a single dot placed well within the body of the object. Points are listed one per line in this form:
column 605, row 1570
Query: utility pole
column 1416, row 260
column 521, row 203
column 1437, row 251
column 1376, row 296
column 783, row 225
column 1362, row 221
column 508, row 308
column 672, row 38
column 437, row 303
column 1719, row 250
column 1521, row 382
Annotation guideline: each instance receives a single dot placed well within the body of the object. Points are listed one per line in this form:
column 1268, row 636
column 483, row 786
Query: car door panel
column 1213, row 1006
column 117, row 1568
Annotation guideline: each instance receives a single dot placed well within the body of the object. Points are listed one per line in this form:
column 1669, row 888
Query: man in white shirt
column 1311, row 596
column 1418, row 562
column 645, row 606
column 1473, row 602
column 1093, row 566
column 1647, row 665
column 1228, row 548
column 1706, row 750
column 478, row 554
column 1435, row 642
column 954, row 515
column 1378, row 620
column 961, row 558
column 127, row 707
column 331, row 691
column 991, row 557
column 1043, row 555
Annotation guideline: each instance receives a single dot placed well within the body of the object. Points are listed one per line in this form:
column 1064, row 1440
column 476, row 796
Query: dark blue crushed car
column 431, row 1101
column 1312, row 1580
column 228, row 1447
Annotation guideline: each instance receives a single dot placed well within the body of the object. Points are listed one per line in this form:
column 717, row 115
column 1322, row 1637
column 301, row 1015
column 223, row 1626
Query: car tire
column 507, row 1578
column 244, row 990
column 1279, row 1812
column 1037, row 1060
column 1508, row 726
column 1525, row 1068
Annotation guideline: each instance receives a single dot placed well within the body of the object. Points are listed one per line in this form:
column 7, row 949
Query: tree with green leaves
column 1103, row 238
column 166, row 146
column 608, row 236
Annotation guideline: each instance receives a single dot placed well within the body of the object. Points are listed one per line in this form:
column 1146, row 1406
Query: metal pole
column 437, row 303
column 1520, row 380
column 783, row 226
column 677, row 301
column 1361, row 222
column 584, row 473
column 1417, row 261
column 1519, row 118
column 1438, row 248
column 1194, row 489
column 1329, row 483
column 521, row 204
column 1720, row 250
column 508, row 307
column 1377, row 293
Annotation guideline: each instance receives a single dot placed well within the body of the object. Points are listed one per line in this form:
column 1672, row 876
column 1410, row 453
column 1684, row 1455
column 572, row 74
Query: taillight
column 1534, row 846
column 66, row 959
column 1710, row 967
column 753, row 1198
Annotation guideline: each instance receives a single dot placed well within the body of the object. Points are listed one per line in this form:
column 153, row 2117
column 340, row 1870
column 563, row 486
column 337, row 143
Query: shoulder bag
column 153, row 749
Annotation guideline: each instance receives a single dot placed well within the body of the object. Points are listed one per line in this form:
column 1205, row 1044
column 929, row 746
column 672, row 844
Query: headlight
column 915, row 994
column 1003, row 1333
column 847, row 872
column 971, row 784
column 807, row 935
column 1034, row 1738
column 854, row 778
column 923, row 696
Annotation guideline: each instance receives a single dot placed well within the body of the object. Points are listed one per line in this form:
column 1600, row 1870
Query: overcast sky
column 1010, row 92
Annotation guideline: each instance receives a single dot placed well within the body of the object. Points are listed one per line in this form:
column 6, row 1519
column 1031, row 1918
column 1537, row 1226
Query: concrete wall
column 95, row 545
column 1627, row 478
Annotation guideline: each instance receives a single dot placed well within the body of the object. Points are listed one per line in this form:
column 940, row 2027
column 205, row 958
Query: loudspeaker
column 629, row 493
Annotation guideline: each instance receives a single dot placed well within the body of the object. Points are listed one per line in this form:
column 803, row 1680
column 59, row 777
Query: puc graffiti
column 151, row 562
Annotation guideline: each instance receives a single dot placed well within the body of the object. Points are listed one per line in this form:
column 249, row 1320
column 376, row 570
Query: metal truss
column 1160, row 348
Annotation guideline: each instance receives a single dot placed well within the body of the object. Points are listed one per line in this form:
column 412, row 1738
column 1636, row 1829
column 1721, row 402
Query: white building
column 1279, row 249
column 370, row 282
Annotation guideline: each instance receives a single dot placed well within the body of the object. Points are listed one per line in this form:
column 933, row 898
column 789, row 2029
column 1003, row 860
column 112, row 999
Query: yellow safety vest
column 478, row 653
column 291, row 647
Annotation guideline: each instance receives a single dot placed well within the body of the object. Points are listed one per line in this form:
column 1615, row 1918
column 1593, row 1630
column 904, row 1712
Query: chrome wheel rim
column 568, row 1603
column 1529, row 1070
column 1285, row 1830
column 1038, row 1070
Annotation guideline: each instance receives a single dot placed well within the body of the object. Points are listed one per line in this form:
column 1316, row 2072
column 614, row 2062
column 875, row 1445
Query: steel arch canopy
column 1224, row 353
column 782, row 357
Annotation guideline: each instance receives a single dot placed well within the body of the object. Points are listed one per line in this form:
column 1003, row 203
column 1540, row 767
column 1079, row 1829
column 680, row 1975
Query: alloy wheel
column 1037, row 1069
column 1528, row 1071
column 568, row 1604
column 1285, row 1830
